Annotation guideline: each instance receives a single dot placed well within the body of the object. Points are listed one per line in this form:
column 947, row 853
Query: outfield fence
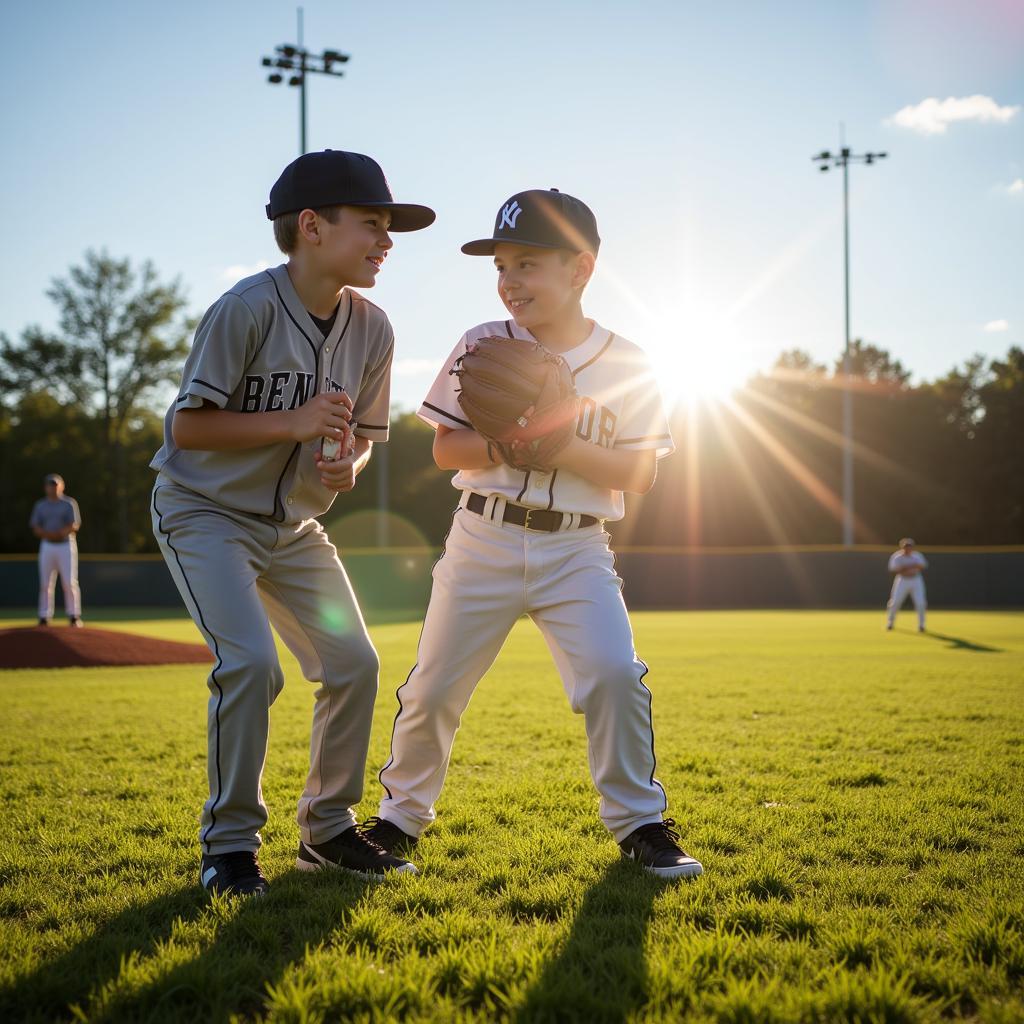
column 796, row 577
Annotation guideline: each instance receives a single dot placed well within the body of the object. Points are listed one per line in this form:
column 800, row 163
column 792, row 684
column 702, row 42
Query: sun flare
column 696, row 367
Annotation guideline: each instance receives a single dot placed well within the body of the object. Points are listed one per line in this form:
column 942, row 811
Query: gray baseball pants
column 238, row 574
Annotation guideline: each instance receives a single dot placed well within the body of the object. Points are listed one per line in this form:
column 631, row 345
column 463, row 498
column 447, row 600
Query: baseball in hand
column 334, row 448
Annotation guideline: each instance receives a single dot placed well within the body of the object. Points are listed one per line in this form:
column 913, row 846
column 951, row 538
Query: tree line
column 941, row 459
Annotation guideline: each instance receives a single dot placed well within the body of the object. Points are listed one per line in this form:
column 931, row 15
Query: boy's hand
column 326, row 415
column 339, row 474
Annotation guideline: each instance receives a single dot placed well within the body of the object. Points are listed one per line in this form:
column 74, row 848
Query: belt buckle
column 529, row 516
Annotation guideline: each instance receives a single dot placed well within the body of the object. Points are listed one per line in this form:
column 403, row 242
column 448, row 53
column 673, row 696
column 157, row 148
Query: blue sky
column 150, row 130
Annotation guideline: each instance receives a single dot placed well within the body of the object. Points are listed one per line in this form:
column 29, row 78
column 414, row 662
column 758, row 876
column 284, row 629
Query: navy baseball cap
column 543, row 217
column 337, row 178
column 53, row 478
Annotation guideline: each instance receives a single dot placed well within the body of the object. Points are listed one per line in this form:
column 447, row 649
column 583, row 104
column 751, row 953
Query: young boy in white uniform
column 907, row 567
column 533, row 542
column 282, row 363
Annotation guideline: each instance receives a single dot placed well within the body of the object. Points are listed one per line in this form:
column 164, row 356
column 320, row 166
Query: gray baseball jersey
column 620, row 407
column 55, row 514
column 258, row 350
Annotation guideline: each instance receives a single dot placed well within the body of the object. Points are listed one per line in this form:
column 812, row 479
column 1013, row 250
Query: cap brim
column 485, row 246
column 406, row 216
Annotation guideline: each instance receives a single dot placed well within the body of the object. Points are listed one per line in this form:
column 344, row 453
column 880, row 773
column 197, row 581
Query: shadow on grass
column 143, row 965
column 957, row 643
column 600, row 973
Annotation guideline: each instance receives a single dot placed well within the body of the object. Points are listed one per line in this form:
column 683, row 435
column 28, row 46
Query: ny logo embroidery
column 509, row 215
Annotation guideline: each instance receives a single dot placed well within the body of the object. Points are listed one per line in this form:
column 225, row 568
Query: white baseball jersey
column 620, row 407
column 258, row 350
column 907, row 586
column 899, row 561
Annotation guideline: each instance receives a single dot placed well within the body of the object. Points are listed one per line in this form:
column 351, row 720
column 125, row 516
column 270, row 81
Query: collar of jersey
column 577, row 356
column 301, row 314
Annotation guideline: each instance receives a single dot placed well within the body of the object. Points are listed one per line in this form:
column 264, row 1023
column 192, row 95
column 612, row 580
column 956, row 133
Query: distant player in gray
column 285, row 363
column 55, row 520
column 907, row 567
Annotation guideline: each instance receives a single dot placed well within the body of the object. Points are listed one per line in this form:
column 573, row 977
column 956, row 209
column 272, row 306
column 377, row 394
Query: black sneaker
column 43, row 622
column 76, row 622
column 387, row 835
column 656, row 849
column 237, row 873
column 351, row 851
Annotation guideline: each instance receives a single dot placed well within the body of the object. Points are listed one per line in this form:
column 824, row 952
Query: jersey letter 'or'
column 252, row 397
column 605, row 428
column 595, row 419
column 585, row 423
column 278, row 379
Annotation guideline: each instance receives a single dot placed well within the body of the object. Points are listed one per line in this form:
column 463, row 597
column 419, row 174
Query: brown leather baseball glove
column 519, row 397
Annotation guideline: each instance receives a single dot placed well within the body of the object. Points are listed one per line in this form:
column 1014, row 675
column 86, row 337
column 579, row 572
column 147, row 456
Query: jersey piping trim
column 448, row 415
column 337, row 344
column 213, row 671
column 508, row 328
column 594, row 359
column 526, row 484
column 551, row 490
column 648, row 437
column 212, row 387
column 280, row 480
column 309, row 340
column 370, row 426
column 398, row 692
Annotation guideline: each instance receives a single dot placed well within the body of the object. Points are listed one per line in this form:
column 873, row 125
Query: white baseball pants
column 902, row 587
column 489, row 575
column 59, row 558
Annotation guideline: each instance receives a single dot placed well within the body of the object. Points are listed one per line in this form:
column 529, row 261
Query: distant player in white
column 907, row 566
column 532, row 542
column 55, row 520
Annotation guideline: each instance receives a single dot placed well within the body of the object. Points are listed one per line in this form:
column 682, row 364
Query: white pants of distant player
column 59, row 559
column 902, row 587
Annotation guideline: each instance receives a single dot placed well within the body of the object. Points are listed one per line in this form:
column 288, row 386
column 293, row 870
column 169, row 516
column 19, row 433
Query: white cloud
column 415, row 367
column 1016, row 187
column 239, row 270
column 934, row 116
column 997, row 325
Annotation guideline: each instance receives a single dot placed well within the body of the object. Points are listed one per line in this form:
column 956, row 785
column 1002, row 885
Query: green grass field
column 855, row 797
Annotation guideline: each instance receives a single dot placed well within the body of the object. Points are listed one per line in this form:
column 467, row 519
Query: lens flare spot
column 335, row 617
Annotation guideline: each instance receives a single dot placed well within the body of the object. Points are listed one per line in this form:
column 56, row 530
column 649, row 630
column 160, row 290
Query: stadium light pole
column 301, row 62
column 843, row 158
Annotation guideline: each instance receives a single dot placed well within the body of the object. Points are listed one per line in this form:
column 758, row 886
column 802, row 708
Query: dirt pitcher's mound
column 66, row 647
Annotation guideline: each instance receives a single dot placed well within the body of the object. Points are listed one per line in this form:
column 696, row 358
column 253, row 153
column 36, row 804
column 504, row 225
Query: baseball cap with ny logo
column 546, row 218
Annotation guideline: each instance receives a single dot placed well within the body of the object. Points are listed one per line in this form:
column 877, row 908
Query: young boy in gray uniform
column 283, row 363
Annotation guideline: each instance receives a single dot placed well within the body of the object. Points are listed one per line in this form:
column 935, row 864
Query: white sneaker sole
column 688, row 869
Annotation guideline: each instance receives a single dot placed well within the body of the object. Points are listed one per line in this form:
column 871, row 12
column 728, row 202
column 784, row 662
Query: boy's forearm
column 362, row 450
column 617, row 470
column 223, row 430
column 462, row 449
